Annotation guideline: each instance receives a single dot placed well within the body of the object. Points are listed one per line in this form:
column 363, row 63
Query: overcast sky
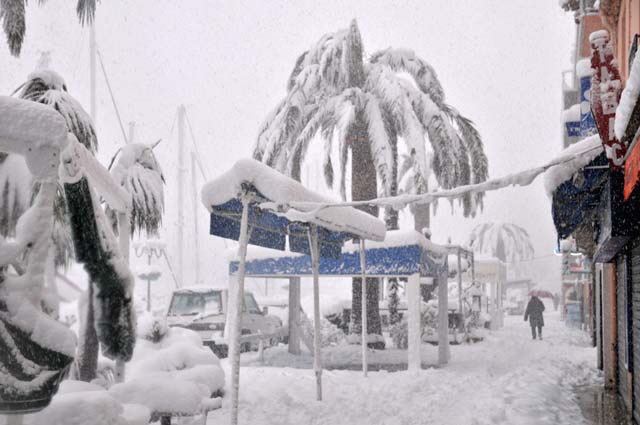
column 500, row 63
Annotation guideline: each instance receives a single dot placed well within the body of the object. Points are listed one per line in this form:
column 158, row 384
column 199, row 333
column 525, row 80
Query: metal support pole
column 365, row 330
column 234, row 343
column 317, row 341
column 294, row 315
column 149, row 283
column 460, row 285
column 93, row 110
column 443, row 319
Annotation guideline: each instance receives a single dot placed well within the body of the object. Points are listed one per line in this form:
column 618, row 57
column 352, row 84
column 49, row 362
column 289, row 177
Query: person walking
column 533, row 314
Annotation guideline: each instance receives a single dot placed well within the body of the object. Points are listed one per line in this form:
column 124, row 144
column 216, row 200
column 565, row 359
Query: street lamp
column 150, row 248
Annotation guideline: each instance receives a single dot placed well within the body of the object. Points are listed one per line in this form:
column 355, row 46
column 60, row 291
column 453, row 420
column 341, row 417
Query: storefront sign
column 606, row 88
column 632, row 170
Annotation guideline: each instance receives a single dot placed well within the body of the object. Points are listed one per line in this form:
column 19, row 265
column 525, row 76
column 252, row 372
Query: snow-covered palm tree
column 14, row 24
column 506, row 241
column 365, row 107
column 137, row 170
column 108, row 317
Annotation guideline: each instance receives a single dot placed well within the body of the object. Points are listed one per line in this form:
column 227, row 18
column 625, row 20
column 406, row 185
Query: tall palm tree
column 507, row 242
column 365, row 107
column 12, row 14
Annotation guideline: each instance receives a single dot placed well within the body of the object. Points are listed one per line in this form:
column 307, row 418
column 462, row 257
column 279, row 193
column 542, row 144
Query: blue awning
column 380, row 261
column 576, row 199
column 270, row 230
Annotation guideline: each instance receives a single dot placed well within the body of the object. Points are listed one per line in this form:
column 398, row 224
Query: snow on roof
column 281, row 189
column 628, row 99
column 571, row 114
column 583, row 152
column 583, row 68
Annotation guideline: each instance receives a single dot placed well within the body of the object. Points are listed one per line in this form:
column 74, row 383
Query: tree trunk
column 421, row 216
column 88, row 345
column 364, row 186
column 391, row 221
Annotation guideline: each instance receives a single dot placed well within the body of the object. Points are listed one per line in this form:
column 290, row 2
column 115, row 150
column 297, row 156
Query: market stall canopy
column 402, row 253
column 271, row 229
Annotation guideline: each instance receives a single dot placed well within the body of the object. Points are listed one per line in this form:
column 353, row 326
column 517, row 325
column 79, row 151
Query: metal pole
column 317, row 341
column 234, row 343
column 194, row 196
column 460, row 285
column 180, row 243
column 365, row 331
column 149, row 284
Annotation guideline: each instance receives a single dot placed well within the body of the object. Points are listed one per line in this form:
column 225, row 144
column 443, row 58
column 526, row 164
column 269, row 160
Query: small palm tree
column 365, row 107
column 137, row 170
column 12, row 14
column 507, row 242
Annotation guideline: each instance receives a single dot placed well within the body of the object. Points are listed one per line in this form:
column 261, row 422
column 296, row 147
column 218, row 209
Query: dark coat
column 535, row 307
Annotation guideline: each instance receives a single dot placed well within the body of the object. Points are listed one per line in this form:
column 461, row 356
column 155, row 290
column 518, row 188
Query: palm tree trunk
column 391, row 221
column 88, row 346
column 364, row 186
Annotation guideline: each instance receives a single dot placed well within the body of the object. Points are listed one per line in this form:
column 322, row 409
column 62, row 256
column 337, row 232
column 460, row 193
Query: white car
column 204, row 310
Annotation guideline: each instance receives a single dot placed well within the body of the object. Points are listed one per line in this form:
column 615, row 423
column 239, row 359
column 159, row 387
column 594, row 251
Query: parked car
column 204, row 310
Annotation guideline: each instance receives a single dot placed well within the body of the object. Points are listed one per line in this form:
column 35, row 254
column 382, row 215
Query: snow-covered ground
column 506, row 379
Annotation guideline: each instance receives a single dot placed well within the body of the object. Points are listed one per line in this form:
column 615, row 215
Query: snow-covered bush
column 331, row 334
column 429, row 323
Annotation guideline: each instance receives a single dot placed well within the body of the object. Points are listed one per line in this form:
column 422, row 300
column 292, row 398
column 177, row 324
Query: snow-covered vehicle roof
column 281, row 189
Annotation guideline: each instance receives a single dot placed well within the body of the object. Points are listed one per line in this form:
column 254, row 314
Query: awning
column 577, row 198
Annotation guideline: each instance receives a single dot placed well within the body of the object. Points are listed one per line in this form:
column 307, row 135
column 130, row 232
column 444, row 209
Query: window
column 194, row 303
column 251, row 305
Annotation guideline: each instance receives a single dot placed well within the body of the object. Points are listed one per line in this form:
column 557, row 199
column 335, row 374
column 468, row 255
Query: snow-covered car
column 204, row 310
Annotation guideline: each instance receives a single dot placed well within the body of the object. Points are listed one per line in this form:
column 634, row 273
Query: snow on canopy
column 280, row 189
column 580, row 153
column 628, row 99
column 138, row 171
column 392, row 95
column 505, row 241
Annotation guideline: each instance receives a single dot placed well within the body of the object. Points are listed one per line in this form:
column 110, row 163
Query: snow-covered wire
column 522, row 178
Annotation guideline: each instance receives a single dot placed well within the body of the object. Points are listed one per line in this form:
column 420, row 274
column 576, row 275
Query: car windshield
column 193, row 303
column 251, row 305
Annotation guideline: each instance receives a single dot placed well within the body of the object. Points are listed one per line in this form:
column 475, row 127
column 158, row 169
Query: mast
column 92, row 71
column 181, row 170
column 194, row 196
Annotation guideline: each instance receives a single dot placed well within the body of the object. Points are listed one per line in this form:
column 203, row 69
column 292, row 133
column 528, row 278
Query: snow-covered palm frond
column 392, row 94
column 506, row 241
column 379, row 129
column 138, row 171
column 405, row 60
column 48, row 87
column 15, row 192
column 12, row 13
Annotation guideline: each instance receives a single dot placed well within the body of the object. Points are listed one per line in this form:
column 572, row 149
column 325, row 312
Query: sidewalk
column 601, row 407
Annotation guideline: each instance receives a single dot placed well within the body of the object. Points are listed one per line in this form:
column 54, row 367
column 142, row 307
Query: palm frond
column 78, row 120
column 15, row 191
column 139, row 173
column 405, row 60
column 12, row 13
column 86, row 10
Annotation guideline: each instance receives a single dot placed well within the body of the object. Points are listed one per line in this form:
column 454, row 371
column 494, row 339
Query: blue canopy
column 576, row 199
column 381, row 260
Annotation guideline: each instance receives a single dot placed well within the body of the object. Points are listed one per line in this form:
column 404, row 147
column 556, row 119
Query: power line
column 113, row 99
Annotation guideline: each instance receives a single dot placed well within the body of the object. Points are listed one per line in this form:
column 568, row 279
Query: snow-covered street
column 506, row 379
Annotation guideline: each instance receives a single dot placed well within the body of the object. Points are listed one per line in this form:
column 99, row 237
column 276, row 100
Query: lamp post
column 150, row 249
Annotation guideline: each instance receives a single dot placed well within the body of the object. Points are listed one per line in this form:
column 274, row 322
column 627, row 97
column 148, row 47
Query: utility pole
column 181, row 170
column 194, row 195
